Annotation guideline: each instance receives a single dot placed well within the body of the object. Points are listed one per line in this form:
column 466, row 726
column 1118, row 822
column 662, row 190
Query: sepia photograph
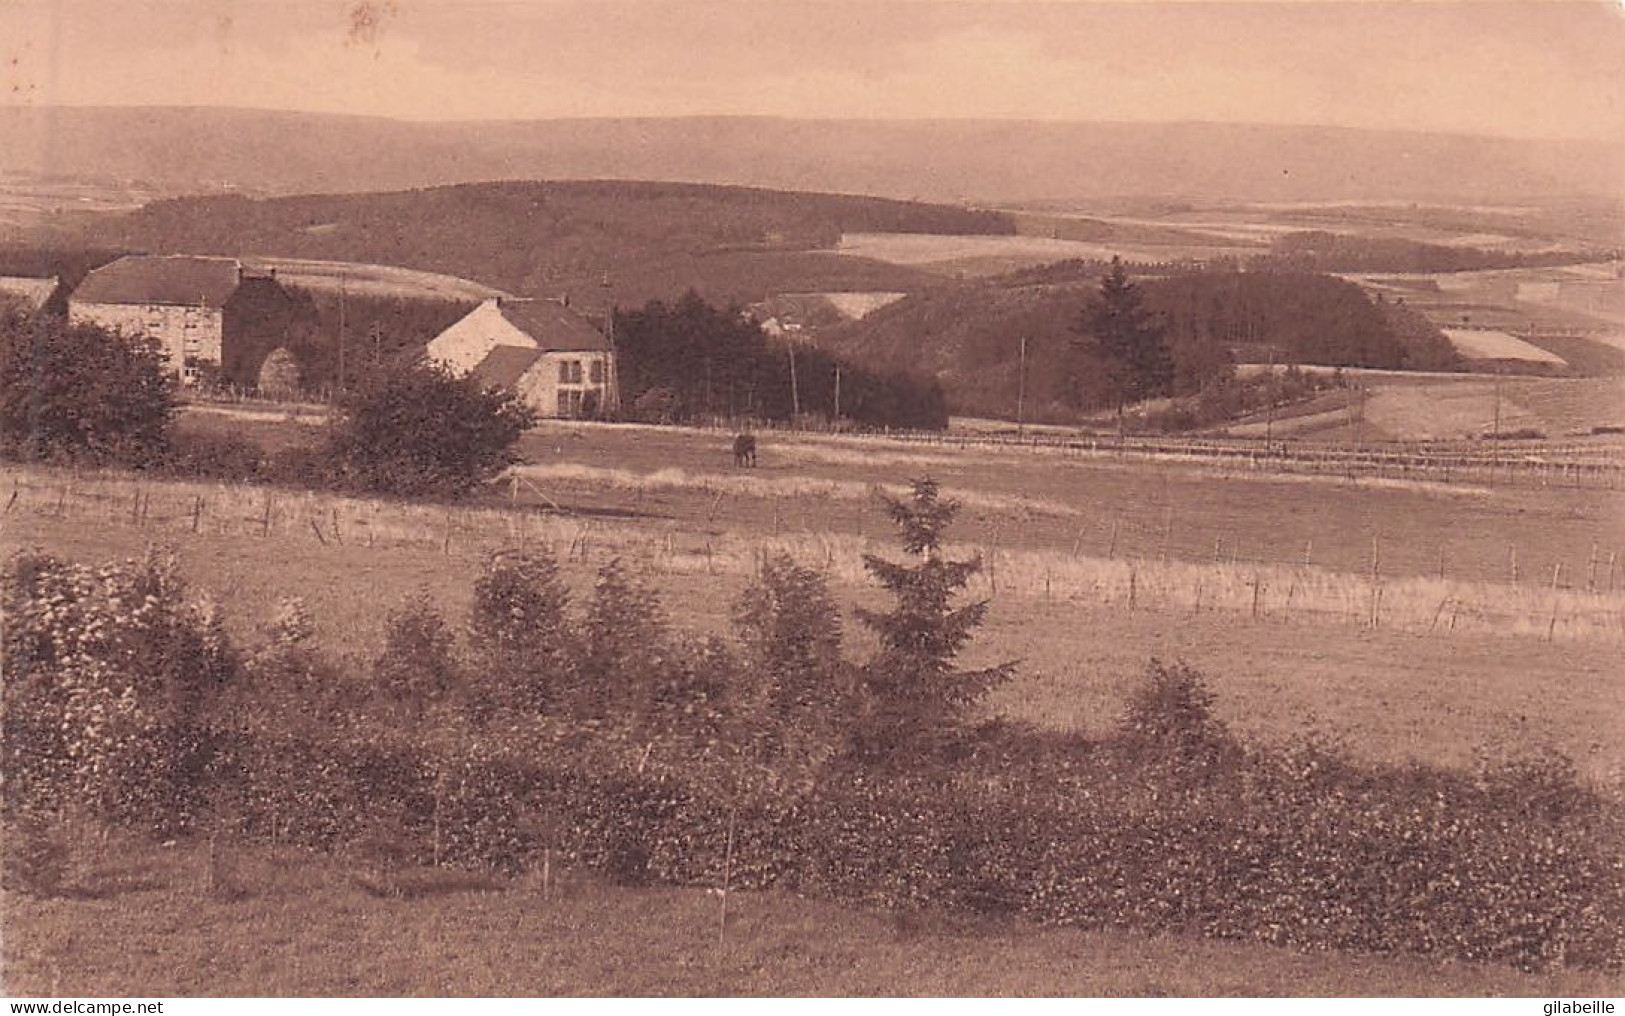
column 812, row 498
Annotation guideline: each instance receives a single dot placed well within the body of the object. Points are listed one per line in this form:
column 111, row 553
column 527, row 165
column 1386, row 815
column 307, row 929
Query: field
column 1446, row 407
column 1410, row 620
column 1492, row 345
column 1497, row 608
column 993, row 255
column 375, row 280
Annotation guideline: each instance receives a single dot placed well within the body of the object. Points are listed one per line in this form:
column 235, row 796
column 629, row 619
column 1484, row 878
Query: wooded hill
column 647, row 240
column 969, row 336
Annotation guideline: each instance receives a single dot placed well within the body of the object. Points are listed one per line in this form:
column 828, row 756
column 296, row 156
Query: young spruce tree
column 918, row 700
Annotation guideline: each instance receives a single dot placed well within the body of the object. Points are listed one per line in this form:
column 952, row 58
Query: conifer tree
column 917, row 699
column 1128, row 340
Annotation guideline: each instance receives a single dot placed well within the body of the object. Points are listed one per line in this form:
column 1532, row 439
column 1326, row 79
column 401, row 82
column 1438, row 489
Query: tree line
column 1179, row 335
column 689, row 360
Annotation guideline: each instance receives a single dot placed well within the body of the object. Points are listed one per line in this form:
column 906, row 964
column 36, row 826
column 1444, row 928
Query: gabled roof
column 503, row 366
column 555, row 327
column 178, row 279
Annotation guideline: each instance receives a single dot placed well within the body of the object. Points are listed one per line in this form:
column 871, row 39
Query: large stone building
column 553, row 358
column 191, row 306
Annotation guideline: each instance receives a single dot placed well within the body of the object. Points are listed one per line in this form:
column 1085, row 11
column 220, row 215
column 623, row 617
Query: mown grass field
column 142, row 920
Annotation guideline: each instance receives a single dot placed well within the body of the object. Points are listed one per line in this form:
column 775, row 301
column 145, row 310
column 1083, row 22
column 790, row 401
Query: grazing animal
column 745, row 450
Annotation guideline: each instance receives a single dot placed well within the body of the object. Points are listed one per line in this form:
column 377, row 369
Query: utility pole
column 1495, row 429
column 1269, row 404
column 612, row 376
column 795, row 389
column 837, row 389
column 1359, row 422
column 341, row 332
column 1021, row 390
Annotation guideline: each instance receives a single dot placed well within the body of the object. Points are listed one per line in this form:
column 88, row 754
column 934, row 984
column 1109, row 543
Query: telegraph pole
column 837, row 389
column 612, row 375
column 1269, row 404
column 341, row 332
column 795, row 389
column 1021, row 390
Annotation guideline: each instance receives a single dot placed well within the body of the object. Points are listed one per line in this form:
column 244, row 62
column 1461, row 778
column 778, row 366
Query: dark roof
column 170, row 279
column 555, row 327
column 504, row 365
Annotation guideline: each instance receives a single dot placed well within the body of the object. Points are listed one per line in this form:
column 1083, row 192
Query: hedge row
column 1493, row 869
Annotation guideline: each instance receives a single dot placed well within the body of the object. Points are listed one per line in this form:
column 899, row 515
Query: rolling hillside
column 176, row 150
column 648, row 240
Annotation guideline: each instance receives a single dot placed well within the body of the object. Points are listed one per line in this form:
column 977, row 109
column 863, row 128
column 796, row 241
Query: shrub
column 79, row 393
column 417, row 668
column 796, row 707
column 287, row 681
column 414, row 430
column 520, row 641
column 1170, row 718
column 626, row 646
column 109, row 673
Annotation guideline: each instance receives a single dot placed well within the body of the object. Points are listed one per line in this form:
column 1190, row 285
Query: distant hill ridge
column 191, row 149
column 644, row 239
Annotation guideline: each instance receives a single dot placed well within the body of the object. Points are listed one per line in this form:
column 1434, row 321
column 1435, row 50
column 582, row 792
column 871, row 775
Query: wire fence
column 1572, row 603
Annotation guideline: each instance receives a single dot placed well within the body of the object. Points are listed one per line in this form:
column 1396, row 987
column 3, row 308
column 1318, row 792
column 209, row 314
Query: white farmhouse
column 553, row 358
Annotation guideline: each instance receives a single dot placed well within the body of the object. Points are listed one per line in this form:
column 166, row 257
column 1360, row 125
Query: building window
column 564, row 379
column 569, row 372
column 564, row 402
column 598, row 372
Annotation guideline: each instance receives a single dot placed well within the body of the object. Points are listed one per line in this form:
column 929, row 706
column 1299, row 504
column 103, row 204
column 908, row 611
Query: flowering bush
column 109, row 671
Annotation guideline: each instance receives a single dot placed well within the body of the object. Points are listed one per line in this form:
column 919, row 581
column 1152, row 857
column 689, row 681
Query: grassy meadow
column 1265, row 583
column 1410, row 665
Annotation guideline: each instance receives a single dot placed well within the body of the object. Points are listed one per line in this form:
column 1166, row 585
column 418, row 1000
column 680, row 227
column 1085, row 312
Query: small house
column 555, row 360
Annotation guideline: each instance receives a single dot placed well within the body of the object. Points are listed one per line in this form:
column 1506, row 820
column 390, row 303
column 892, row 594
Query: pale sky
column 1550, row 69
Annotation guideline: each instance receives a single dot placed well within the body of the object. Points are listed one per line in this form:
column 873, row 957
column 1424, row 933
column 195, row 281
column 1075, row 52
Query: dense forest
column 691, row 361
